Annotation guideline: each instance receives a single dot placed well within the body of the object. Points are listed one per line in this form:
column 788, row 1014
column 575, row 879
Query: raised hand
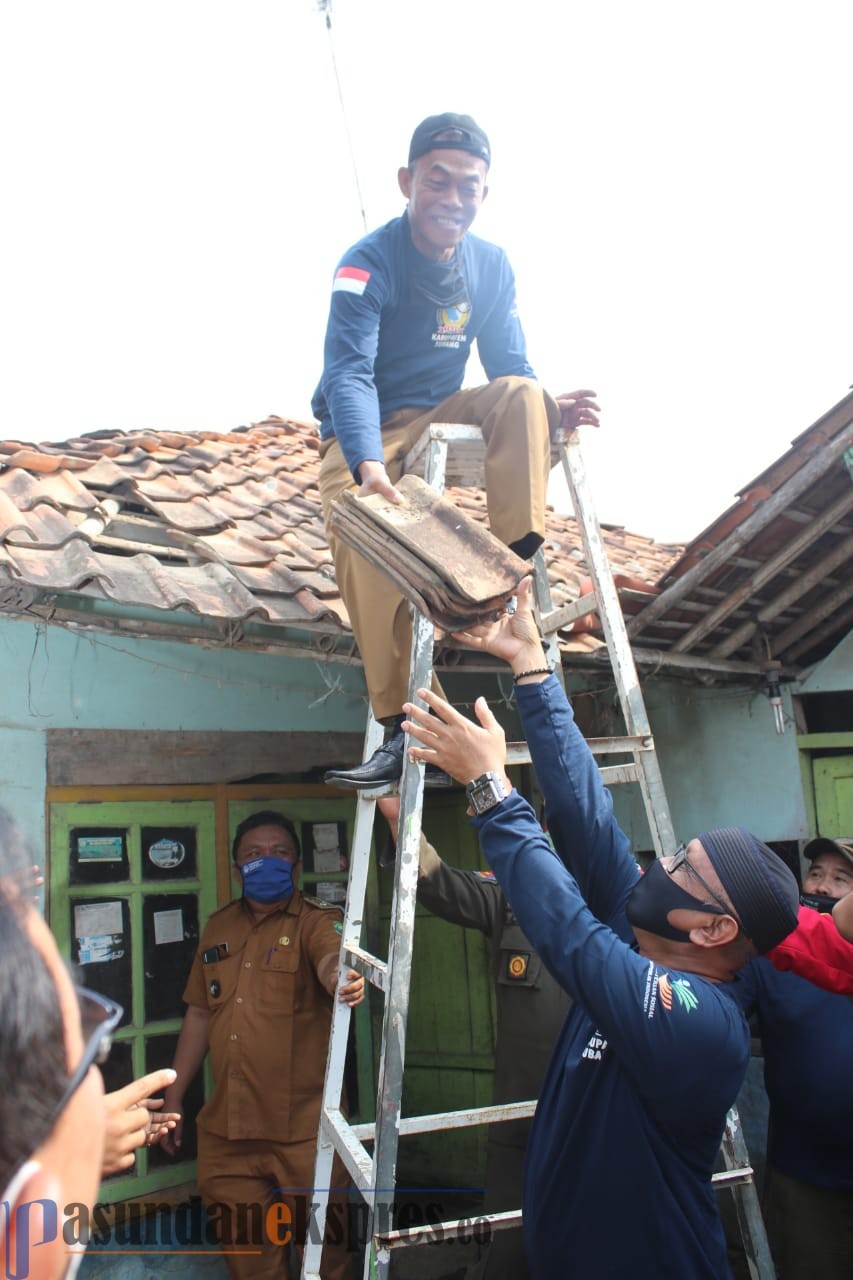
column 577, row 408
column 457, row 745
column 513, row 637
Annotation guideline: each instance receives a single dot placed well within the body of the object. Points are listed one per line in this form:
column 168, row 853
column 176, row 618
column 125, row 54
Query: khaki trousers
column 245, row 1180
column 516, row 418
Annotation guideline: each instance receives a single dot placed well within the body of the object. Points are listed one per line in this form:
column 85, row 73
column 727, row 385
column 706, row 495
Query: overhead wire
column 324, row 7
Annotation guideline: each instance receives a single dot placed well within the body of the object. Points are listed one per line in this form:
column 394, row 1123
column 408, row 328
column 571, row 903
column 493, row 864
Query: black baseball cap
column 449, row 132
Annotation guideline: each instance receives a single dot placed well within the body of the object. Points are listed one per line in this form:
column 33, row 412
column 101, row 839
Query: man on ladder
column 634, row 1105
column 407, row 302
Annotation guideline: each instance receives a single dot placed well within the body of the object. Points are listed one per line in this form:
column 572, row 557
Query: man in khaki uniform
column 259, row 996
column 408, row 302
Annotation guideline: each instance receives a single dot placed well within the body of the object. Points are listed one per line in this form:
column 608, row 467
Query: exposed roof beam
column 808, row 535
column 802, row 479
column 811, row 619
column 842, row 623
column 841, row 554
column 694, row 662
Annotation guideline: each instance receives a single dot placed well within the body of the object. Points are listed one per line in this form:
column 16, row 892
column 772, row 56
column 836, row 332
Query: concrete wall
column 835, row 673
column 723, row 764
column 54, row 677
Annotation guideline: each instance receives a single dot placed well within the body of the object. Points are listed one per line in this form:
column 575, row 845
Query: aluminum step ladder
column 374, row 1175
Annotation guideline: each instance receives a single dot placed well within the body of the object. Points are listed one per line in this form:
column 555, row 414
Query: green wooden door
column 833, row 781
column 131, row 885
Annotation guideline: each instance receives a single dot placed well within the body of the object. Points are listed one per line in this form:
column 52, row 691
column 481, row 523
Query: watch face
column 485, row 792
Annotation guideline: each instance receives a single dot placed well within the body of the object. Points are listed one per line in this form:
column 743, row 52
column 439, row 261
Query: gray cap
column 823, row 844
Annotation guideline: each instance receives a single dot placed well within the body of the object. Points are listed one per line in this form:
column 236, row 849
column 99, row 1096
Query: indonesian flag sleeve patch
column 350, row 280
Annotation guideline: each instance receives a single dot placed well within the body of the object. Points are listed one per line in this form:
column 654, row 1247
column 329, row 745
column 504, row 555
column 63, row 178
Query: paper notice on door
column 327, row 850
column 168, row 926
column 96, row 919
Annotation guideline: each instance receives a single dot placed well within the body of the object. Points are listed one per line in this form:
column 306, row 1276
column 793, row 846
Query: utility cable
column 325, row 7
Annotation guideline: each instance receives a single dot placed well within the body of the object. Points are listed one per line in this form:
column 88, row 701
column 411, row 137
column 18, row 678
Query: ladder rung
column 569, row 613
column 614, row 774
column 342, row 1135
column 609, row 746
column 429, row 1233
column 731, row 1177
column 518, row 752
column 369, row 966
column 453, row 1119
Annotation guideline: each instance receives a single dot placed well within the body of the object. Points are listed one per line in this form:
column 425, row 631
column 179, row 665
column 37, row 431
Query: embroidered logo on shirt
column 450, row 325
column 681, row 989
column 595, row 1047
column 660, row 984
column 517, row 966
column 350, row 280
column 485, row 875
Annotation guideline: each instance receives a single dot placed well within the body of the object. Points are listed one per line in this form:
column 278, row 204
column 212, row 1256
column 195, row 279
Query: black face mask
column 818, row 902
column 656, row 894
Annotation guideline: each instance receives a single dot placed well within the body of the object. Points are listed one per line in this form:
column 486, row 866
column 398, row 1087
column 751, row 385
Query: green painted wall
column 56, row 678
column 723, row 764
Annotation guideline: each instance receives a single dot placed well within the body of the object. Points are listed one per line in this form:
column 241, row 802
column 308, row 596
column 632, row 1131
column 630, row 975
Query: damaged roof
column 768, row 584
column 207, row 531
column 210, row 536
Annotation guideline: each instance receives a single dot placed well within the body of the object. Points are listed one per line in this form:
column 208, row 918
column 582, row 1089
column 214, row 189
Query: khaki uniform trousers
column 248, row 1172
column 516, row 418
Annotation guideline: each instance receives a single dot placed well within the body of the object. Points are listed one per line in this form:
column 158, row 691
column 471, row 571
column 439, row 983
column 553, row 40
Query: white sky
column 671, row 180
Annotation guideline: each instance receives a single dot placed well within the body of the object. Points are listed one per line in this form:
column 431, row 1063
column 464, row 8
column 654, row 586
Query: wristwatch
column 486, row 791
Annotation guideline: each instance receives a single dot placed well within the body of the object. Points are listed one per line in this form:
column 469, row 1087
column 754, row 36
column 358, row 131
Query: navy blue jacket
column 632, row 1111
column 387, row 350
column 808, row 1064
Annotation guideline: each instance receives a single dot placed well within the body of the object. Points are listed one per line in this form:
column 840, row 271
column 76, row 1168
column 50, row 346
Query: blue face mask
column 267, row 879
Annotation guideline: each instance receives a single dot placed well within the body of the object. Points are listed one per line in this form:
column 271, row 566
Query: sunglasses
column 680, row 859
column 99, row 1018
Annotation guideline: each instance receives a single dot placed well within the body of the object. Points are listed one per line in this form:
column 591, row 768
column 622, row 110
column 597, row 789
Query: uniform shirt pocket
column 276, row 980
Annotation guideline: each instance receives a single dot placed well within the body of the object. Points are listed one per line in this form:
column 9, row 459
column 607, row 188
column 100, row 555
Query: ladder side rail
column 610, row 613
column 544, row 607
column 333, row 1084
column 618, row 646
column 392, row 1059
column 650, row 781
column 750, row 1221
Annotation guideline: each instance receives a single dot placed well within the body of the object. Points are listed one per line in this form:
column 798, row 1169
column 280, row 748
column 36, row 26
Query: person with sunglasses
column 807, row 1039
column 651, row 1056
column 52, row 1113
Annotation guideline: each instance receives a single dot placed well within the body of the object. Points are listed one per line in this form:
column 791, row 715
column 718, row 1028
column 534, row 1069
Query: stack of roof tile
column 450, row 567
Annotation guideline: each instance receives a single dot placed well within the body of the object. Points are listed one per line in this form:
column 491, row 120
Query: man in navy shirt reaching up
column 408, row 301
column 632, row 1111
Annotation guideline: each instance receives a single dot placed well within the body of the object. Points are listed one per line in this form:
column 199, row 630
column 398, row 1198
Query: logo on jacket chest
column 450, row 326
